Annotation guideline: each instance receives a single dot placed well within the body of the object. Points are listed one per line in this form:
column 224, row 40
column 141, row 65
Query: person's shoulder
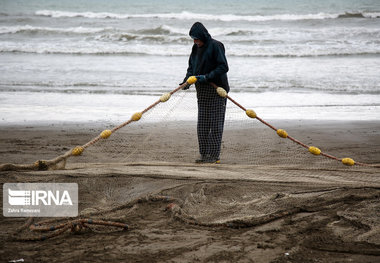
column 217, row 43
column 214, row 41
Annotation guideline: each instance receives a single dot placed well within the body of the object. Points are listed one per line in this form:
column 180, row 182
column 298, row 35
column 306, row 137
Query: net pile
column 229, row 204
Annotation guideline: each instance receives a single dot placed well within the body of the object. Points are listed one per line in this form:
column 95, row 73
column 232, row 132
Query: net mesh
column 168, row 133
column 233, row 203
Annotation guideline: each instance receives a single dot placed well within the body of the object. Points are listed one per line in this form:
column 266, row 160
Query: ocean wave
column 291, row 44
column 162, row 33
column 200, row 16
column 94, row 48
column 80, row 88
column 360, row 15
column 33, row 29
column 151, row 39
column 351, row 15
column 162, row 30
column 169, row 34
column 279, row 33
column 307, row 54
column 180, row 50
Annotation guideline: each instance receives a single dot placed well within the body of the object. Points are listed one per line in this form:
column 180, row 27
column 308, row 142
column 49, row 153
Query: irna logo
column 39, row 197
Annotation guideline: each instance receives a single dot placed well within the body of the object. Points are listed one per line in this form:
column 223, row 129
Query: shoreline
column 104, row 107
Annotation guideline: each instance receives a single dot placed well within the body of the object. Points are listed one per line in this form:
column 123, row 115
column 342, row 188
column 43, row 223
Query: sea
column 102, row 60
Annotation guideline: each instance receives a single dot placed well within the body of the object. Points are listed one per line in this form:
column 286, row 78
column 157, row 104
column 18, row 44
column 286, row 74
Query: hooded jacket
column 209, row 60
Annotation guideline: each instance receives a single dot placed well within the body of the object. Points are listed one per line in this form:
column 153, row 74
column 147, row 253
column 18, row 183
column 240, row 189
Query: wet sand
column 269, row 201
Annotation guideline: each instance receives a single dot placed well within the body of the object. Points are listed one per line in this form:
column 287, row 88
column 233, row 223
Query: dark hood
column 198, row 31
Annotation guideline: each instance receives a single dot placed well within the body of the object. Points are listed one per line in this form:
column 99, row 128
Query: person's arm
column 189, row 71
column 221, row 62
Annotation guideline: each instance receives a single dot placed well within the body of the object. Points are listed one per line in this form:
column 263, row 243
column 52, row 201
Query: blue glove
column 201, row 79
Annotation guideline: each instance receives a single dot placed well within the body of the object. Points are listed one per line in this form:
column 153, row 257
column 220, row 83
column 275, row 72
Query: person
column 208, row 63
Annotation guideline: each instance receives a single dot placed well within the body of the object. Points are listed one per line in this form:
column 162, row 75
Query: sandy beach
column 269, row 201
column 72, row 69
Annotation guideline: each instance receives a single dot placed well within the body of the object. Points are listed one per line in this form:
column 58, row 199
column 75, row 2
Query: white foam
column 88, row 47
column 178, row 49
column 189, row 16
column 371, row 14
column 28, row 28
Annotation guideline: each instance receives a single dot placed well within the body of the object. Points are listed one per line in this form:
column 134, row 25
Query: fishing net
column 169, row 129
column 123, row 203
column 168, row 133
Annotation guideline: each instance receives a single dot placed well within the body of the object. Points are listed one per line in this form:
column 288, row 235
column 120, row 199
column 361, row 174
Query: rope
column 312, row 149
column 51, row 230
column 74, row 226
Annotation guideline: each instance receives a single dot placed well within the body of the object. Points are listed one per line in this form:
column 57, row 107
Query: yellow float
column 282, row 133
column 105, row 134
column 136, row 116
column 165, row 97
column 251, row 113
column 191, row 80
column 314, row 150
column 77, row 151
column 221, row 92
column 348, row 161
